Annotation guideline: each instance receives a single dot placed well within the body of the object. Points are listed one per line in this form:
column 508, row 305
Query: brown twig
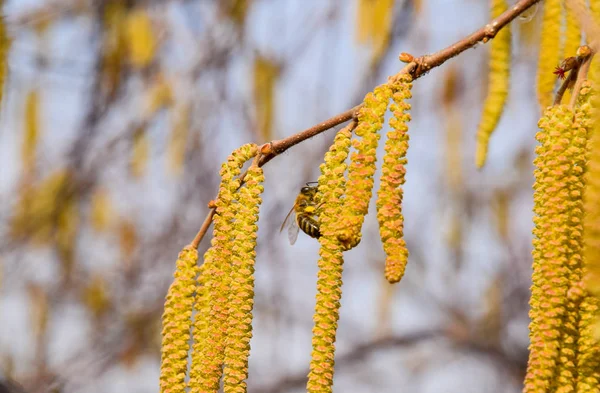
column 417, row 68
column 586, row 59
column 569, row 80
column 203, row 228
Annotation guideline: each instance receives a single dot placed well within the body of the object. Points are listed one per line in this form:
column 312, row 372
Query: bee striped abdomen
column 308, row 225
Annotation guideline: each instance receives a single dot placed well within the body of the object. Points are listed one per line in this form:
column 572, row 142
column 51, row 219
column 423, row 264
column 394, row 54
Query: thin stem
column 581, row 77
column 565, row 85
column 417, row 68
column 203, row 228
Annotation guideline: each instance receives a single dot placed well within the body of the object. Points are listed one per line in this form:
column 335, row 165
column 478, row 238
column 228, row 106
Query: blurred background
column 114, row 122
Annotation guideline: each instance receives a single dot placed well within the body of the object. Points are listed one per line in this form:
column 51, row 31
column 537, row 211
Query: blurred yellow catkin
column 140, row 152
column 114, row 46
column 572, row 33
column 35, row 215
column 374, row 24
column 101, row 210
column 265, row 75
column 141, row 40
column 95, row 296
column 39, row 310
column 178, row 138
column 498, row 85
column 235, row 10
column 550, row 53
column 31, row 135
column 159, row 95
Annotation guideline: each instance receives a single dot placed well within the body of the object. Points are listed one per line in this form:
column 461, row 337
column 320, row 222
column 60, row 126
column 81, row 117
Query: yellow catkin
column 557, row 243
column 101, row 210
column 592, row 209
column 178, row 139
column 550, row 54
column 140, row 152
column 114, row 47
column 595, row 9
column 36, row 212
column 567, row 369
column 364, row 21
column 140, row 38
column 241, row 298
column 4, row 47
column 383, row 11
column 359, row 186
column 265, row 76
column 31, row 135
column 95, row 296
column 498, row 85
column 207, row 367
column 201, row 324
column 177, row 323
column 329, row 279
column 588, row 361
column 572, row 33
column 588, row 349
column 393, row 171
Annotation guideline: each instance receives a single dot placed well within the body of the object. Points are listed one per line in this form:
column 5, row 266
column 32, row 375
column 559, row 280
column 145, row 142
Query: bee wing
column 287, row 218
column 293, row 230
column 292, row 225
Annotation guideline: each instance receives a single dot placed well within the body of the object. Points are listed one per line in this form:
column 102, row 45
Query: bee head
column 309, row 188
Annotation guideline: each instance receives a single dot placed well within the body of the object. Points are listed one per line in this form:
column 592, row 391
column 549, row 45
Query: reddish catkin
column 389, row 196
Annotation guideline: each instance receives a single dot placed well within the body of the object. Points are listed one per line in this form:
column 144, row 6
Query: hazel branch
column 418, row 67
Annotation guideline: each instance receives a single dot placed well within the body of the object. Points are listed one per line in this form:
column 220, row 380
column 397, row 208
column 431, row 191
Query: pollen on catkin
column 550, row 51
column 359, row 185
column 567, row 368
column 201, row 326
column 177, row 323
column 592, row 208
column 241, row 299
column 588, row 348
column 207, row 368
column 389, row 196
column 498, row 85
column 556, row 254
column 588, row 361
column 329, row 281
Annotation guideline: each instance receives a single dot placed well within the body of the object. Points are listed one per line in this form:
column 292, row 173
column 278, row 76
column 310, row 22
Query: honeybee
column 303, row 214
